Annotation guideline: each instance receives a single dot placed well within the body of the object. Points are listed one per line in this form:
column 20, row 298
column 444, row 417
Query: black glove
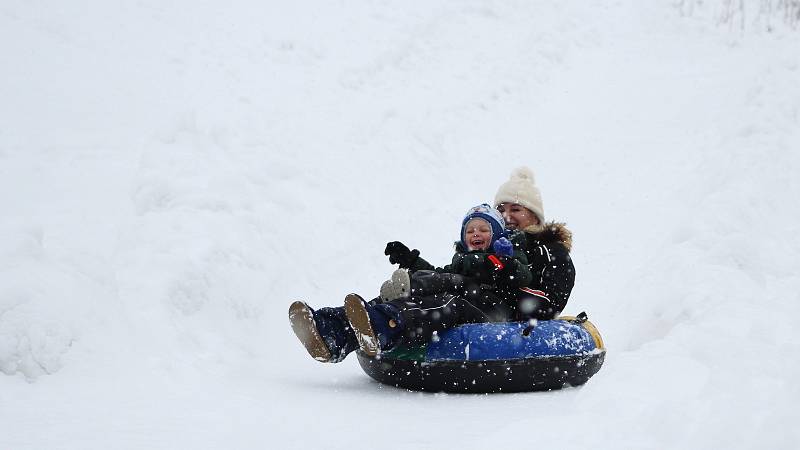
column 400, row 254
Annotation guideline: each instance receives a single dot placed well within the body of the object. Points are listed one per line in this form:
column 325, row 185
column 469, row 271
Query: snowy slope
column 173, row 175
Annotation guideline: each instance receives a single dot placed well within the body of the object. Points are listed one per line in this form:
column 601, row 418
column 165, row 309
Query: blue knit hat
column 490, row 215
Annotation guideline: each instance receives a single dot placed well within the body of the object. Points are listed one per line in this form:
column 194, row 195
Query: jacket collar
column 551, row 232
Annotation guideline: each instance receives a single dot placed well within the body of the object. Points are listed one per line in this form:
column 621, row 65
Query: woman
column 547, row 246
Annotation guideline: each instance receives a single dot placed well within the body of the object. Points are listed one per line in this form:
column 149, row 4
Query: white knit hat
column 521, row 189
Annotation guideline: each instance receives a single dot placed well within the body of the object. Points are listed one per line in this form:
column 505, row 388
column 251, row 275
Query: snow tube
column 495, row 357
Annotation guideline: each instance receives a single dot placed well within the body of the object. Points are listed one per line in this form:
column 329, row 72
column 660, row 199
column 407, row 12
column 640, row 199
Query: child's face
column 477, row 234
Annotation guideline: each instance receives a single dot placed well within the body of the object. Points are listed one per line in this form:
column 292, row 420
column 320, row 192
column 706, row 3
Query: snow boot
column 398, row 286
column 324, row 333
column 377, row 328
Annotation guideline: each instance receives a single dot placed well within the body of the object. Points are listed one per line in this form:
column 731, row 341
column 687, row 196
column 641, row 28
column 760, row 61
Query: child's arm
column 398, row 253
column 497, row 268
column 512, row 263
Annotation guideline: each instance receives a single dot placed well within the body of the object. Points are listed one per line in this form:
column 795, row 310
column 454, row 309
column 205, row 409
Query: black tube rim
column 507, row 375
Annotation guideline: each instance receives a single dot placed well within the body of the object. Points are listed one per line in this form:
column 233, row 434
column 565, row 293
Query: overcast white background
column 174, row 174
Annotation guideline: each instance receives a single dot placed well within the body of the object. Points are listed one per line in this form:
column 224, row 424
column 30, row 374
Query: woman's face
column 517, row 217
column 477, row 234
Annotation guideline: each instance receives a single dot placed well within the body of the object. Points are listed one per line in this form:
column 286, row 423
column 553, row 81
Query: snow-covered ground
column 174, row 174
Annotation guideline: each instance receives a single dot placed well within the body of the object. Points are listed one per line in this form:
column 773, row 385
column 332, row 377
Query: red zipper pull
column 496, row 261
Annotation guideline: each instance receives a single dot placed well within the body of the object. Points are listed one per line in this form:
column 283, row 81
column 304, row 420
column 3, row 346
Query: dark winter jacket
column 547, row 249
column 499, row 287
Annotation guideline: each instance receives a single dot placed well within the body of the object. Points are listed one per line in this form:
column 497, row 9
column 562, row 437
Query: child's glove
column 400, row 254
column 503, row 247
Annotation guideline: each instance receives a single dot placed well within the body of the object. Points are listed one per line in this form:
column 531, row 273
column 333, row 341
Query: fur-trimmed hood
column 551, row 232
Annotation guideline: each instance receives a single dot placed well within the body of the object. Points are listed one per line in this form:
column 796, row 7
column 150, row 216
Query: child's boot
column 377, row 327
column 398, row 286
column 325, row 333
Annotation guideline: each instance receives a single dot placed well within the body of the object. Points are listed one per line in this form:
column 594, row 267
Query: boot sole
column 359, row 321
column 305, row 329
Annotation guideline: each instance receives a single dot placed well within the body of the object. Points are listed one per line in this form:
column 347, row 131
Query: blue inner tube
column 495, row 357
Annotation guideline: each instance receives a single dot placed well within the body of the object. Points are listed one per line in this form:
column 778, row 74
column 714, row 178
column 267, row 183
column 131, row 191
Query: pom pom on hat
column 521, row 189
column 524, row 173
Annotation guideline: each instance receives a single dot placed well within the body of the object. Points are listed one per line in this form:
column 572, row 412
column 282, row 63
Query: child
column 480, row 284
column 481, row 228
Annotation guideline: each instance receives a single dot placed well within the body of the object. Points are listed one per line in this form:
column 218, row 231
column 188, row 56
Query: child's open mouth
column 476, row 243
